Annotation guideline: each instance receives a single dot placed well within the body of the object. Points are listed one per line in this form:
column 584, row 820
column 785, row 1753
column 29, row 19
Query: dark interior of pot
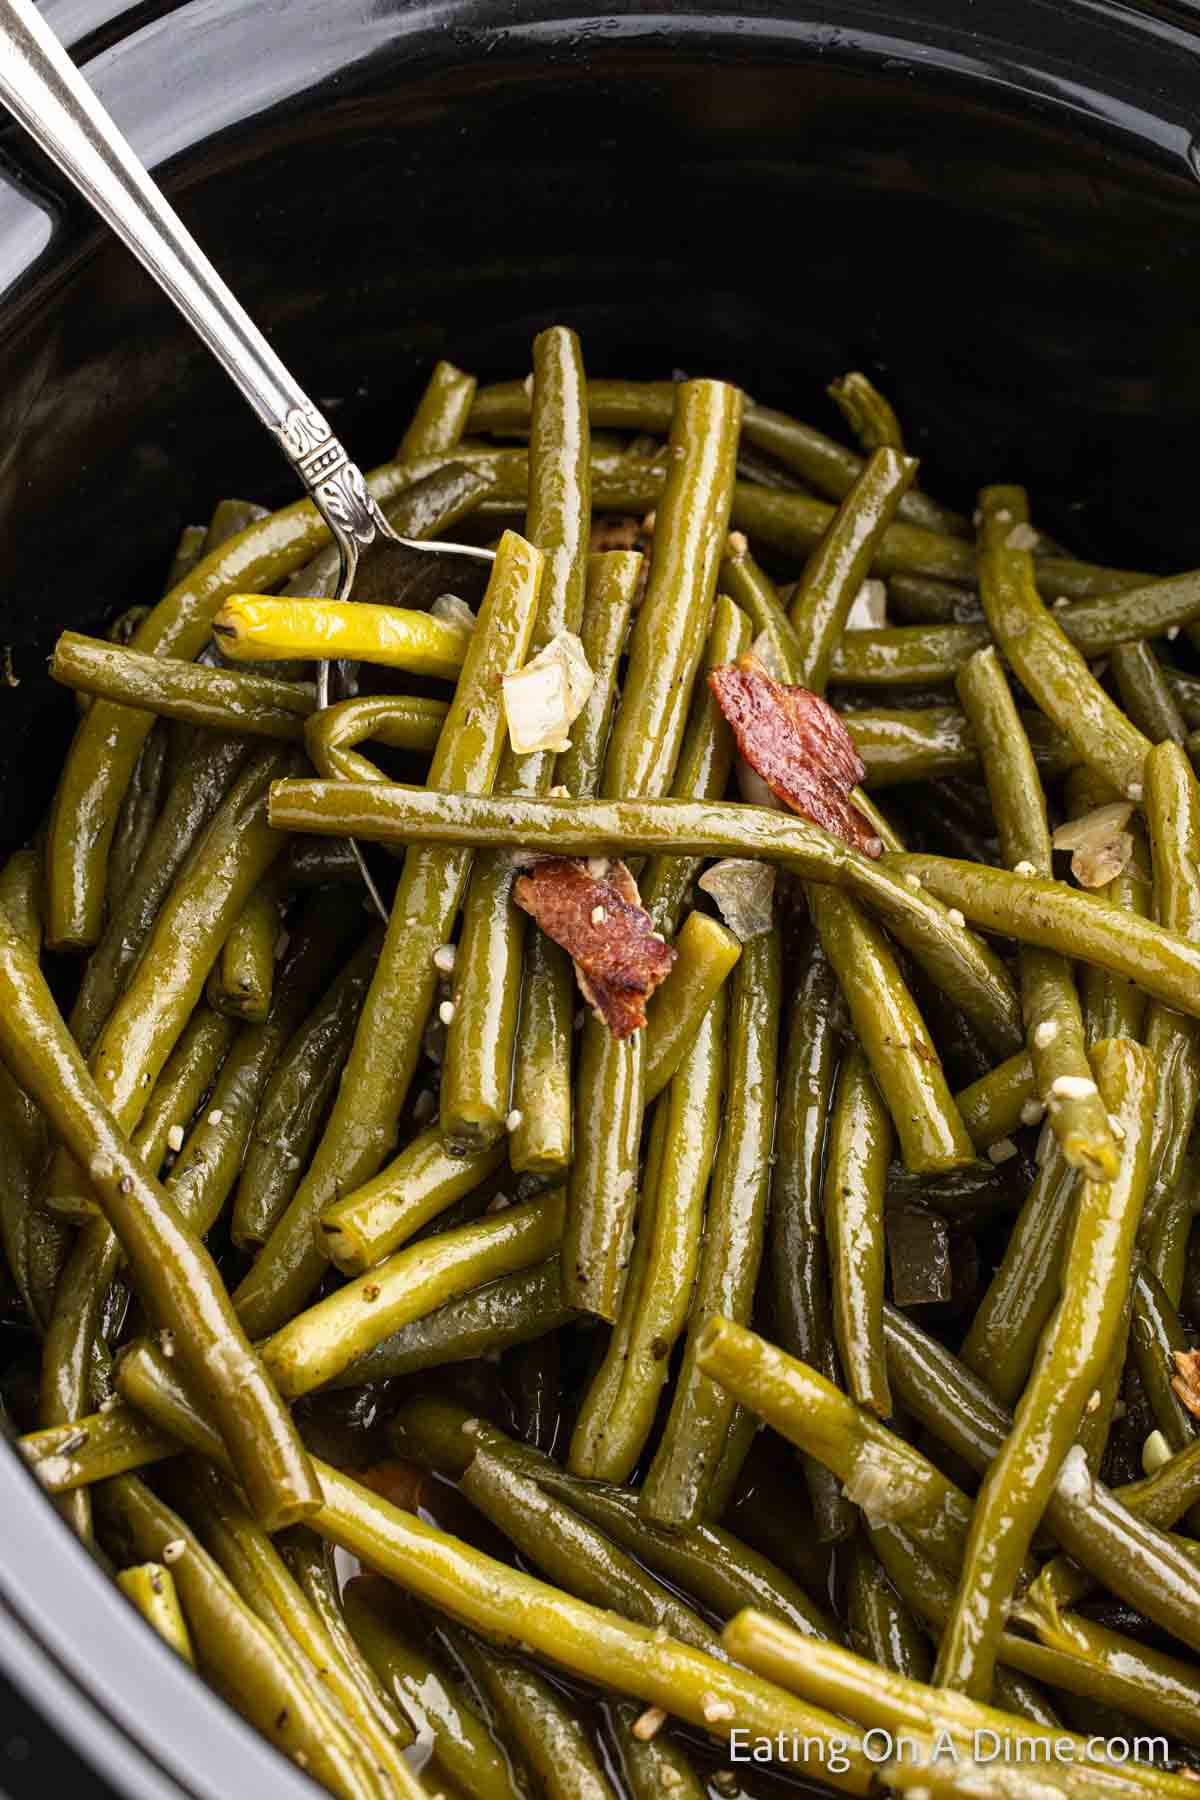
column 1007, row 229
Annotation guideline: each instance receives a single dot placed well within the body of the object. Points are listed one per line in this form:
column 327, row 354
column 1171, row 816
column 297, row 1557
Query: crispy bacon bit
column 799, row 746
column 601, row 924
column 1186, row 1382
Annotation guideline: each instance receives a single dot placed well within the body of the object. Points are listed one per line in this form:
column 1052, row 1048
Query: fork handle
column 42, row 87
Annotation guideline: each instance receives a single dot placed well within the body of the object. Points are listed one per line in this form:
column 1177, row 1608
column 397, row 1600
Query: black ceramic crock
column 992, row 202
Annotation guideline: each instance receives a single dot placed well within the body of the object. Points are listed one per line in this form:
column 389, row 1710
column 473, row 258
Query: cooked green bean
column 894, row 1039
column 841, row 561
column 1146, row 693
column 188, row 1074
column 881, row 1627
column 362, row 1126
column 1049, row 666
column 652, row 1763
column 367, row 1225
column 221, row 699
column 234, row 1647
column 703, row 770
column 319, row 1343
column 859, row 1147
column 441, row 415
column 1053, row 1016
column 1058, row 917
column 705, row 953
column 936, row 741
column 36, row 1245
column 548, row 1734
column 169, row 1265
column 923, row 600
column 867, row 412
column 539, row 1141
column 905, row 655
column 1156, row 1337
column 398, row 720
column 206, row 778
column 242, row 977
column 295, row 1097
column 617, row 1412
column 109, row 737
column 1000, row 1102
column 796, row 1246
column 1071, row 1358
column 750, row 588
column 677, row 1488
column 394, row 814
column 151, row 1588
column 140, row 808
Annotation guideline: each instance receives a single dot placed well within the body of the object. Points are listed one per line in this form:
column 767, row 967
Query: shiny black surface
column 994, row 204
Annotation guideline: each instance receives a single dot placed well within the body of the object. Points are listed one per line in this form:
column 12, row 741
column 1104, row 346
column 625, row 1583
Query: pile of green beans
column 700, row 1410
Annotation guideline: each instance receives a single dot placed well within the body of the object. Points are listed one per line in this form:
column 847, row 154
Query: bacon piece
column 1186, row 1381
column 599, row 920
column 799, row 746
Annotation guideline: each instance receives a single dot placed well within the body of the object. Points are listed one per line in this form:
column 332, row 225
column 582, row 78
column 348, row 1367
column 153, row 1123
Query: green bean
column 653, row 1765
column 703, row 770
column 935, row 741
column 188, row 552
column 905, row 655
column 842, row 560
column 362, row 1126
column 540, row 1140
column 1049, row 666
column 999, row 1103
column 574, row 1553
column 860, row 1139
column 236, row 851
column 617, row 1412
column 677, row 1487
column 1173, row 822
column 1053, row 1017
column 208, row 772
column 109, row 737
column 796, row 1246
column 233, row 1646
column 35, row 1244
column 245, row 1553
column 942, row 1393
column 151, row 1588
column 881, row 1627
column 477, row 1068
column 441, row 415
column 94, row 1447
column 705, row 953
column 221, row 699
column 295, row 1097
column 894, row 1039
column 1058, row 917
column 514, row 1309
column 754, row 592
column 320, row 1342
column 312, row 1564
column 647, row 406
column 1146, row 694
column 170, row 1267
column 240, row 981
column 187, row 1076
column 398, row 720
column 462, row 1745
column 602, row 1183
column 1156, row 1337
column 208, row 1164
column 1083, row 1659
column 139, row 810
column 548, row 1734
column 866, row 411
column 365, row 1226
column 1071, row 1359
column 897, row 1702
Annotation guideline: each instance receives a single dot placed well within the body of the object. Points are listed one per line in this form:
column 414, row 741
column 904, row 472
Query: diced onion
column 881, row 1486
column 453, row 611
column 1099, row 844
column 868, row 609
column 744, row 892
column 543, row 700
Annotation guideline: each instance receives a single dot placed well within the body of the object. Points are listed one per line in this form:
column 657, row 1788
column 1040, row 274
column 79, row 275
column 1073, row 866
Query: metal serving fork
column 41, row 86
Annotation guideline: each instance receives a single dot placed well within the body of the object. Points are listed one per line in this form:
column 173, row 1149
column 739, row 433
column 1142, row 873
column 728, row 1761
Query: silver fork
column 41, row 85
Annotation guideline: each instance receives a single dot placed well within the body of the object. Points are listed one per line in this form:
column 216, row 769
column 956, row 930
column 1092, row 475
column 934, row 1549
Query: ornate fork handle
column 40, row 84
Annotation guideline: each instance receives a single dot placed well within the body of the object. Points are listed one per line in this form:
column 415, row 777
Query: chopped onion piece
column 753, row 788
column 543, row 700
column 881, row 1485
column 744, row 892
column 868, row 609
column 1074, row 1478
column 766, row 648
column 453, row 611
column 1093, row 827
